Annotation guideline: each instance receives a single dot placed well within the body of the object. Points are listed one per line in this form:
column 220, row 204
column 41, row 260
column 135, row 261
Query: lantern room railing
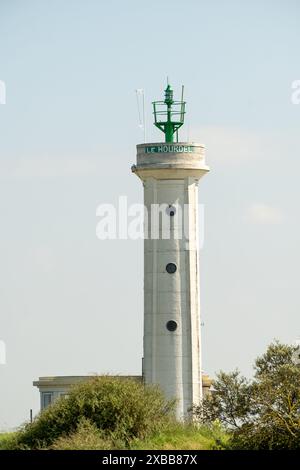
column 169, row 114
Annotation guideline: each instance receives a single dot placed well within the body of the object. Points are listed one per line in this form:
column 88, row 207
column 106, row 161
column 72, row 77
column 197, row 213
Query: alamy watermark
column 2, row 92
column 295, row 96
column 153, row 222
column 2, row 353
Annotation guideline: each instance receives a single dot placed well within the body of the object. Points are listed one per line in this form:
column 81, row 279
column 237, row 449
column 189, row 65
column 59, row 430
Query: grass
column 6, row 440
column 179, row 436
column 175, row 436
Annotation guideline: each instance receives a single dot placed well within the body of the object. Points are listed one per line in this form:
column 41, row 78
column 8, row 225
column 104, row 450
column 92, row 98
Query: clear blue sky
column 70, row 304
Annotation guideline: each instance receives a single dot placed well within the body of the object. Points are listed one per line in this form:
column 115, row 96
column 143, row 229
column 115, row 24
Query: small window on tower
column 171, row 325
column 171, row 268
column 171, row 211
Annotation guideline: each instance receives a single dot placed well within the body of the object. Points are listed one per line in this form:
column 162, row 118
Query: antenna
column 142, row 115
column 182, row 104
column 182, row 108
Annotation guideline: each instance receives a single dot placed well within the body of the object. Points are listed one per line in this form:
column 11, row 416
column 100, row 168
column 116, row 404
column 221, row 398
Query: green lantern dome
column 169, row 114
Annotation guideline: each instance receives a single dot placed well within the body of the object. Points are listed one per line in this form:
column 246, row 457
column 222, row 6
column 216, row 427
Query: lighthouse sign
column 170, row 148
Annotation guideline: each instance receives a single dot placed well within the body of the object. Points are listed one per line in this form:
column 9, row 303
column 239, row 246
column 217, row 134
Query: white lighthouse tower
column 170, row 172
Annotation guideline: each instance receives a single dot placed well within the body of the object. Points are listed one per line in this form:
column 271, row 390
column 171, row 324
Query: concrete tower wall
column 172, row 358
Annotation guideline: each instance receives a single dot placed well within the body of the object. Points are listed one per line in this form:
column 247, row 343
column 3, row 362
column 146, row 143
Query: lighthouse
column 170, row 172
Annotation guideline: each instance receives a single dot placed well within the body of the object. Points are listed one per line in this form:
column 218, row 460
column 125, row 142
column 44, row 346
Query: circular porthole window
column 171, row 268
column 171, row 325
column 171, row 211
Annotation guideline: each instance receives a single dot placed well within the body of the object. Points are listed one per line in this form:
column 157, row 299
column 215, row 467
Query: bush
column 172, row 436
column 8, row 440
column 120, row 409
column 262, row 413
column 86, row 437
column 187, row 436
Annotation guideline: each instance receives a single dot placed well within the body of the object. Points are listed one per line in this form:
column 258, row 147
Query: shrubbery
column 109, row 413
column 115, row 410
column 263, row 413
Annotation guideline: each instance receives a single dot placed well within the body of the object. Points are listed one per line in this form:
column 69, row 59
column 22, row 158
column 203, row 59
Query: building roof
column 67, row 380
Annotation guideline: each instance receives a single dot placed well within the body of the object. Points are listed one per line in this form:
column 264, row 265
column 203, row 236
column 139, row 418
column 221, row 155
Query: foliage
column 229, row 402
column 122, row 409
column 7, row 440
column 87, row 437
column 171, row 436
column 187, row 436
column 263, row 413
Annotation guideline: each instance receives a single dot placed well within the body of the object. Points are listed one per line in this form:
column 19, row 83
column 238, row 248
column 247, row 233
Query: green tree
column 263, row 413
column 229, row 401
